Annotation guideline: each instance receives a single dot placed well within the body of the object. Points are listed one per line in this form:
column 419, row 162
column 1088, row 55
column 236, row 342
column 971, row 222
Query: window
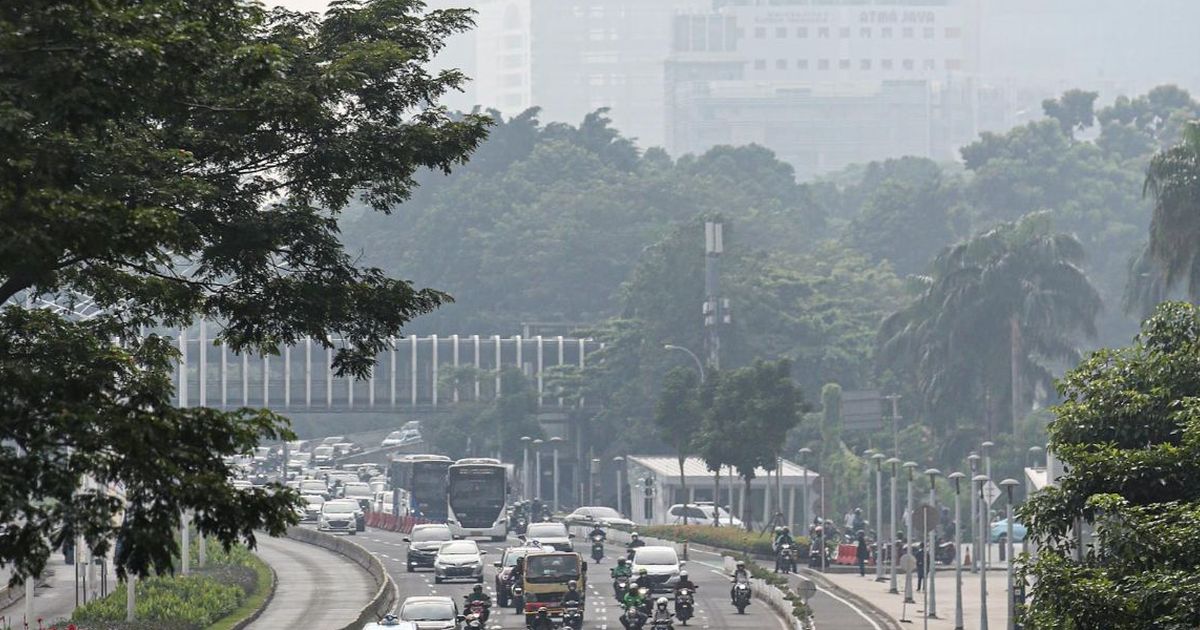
column 781, row 64
column 953, row 32
column 596, row 34
column 843, row 64
column 823, row 32
column 595, row 79
column 512, row 80
column 929, row 32
column 802, row 64
column 930, row 64
column 908, row 32
column 781, row 32
column 908, row 64
column 760, row 32
column 887, row 64
column 760, row 64
column 954, row 64
column 886, row 33
column 844, row 32
column 865, row 64
column 823, row 64
column 864, row 33
column 802, row 32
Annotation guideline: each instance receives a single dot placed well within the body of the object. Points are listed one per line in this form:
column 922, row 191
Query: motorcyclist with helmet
column 621, row 570
column 642, row 580
column 661, row 613
column 542, row 620
column 572, row 598
column 740, row 574
column 685, row 582
column 477, row 595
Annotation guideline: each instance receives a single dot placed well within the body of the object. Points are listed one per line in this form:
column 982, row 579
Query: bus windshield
column 477, row 494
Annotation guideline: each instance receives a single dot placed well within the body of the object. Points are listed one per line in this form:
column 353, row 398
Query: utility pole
column 895, row 398
column 716, row 309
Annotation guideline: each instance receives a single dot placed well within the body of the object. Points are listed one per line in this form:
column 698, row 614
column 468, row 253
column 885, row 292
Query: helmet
column 642, row 571
column 542, row 612
column 661, row 603
column 683, row 575
column 572, row 585
column 858, row 510
column 778, row 529
column 741, row 564
column 634, row 535
column 785, row 530
column 620, row 561
column 389, row 620
column 478, row 588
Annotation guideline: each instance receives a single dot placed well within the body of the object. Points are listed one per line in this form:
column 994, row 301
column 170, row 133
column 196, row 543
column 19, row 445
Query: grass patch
column 254, row 602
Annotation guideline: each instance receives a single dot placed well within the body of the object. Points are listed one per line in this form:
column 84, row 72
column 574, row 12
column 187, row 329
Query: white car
column 322, row 454
column 550, row 535
column 430, row 612
column 312, row 507
column 700, row 514
column 395, row 438
column 314, row 486
column 598, row 515
column 662, row 566
column 458, row 559
column 338, row 516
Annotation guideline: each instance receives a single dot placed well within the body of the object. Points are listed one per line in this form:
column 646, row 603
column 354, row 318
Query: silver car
column 431, row 613
column 338, row 516
column 458, row 560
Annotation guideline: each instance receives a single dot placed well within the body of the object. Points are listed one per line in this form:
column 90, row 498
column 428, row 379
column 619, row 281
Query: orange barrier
column 847, row 554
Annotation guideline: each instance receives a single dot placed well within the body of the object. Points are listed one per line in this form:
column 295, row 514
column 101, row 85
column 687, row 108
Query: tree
column 1173, row 180
column 196, row 166
column 1128, row 434
column 678, row 416
column 753, row 408
column 995, row 310
column 1074, row 110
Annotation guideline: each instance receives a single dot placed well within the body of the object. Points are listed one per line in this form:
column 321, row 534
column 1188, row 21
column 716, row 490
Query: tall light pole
column 1009, row 485
column 908, row 526
column 973, row 460
column 525, row 440
column 893, row 561
column 802, row 455
column 957, row 478
column 980, row 482
column 537, row 468
column 699, row 364
column 592, row 471
column 867, row 455
column 878, row 457
column 554, row 443
column 931, row 549
column 715, row 307
column 985, row 558
column 620, row 462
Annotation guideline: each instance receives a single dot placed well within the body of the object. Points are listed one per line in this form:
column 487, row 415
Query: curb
column 252, row 617
column 386, row 597
column 827, row 584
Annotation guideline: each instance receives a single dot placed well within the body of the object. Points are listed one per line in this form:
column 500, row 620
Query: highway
column 315, row 588
column 713, row 610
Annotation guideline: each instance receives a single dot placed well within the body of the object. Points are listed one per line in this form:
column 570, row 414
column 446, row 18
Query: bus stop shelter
column 653, row 486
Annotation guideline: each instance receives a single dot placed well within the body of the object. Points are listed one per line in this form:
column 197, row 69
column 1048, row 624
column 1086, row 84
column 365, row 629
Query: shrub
column 731, row 538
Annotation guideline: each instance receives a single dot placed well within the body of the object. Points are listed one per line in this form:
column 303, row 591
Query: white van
column 700, row 513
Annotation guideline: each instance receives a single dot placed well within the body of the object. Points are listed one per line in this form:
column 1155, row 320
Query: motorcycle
column 479, row 609
column 662, row 623
column 522, row 526
column 572, row 618
column 597, row 548
column 633, row 618
column 685, row 605
column 945, row 553
column 473, row 622
column 785, row 559
column 741, row 596
column 518, row 600
column 620, row 587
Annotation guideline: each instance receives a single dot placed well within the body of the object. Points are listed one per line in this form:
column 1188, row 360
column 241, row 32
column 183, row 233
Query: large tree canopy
column 179, row 159
column 1128, row 434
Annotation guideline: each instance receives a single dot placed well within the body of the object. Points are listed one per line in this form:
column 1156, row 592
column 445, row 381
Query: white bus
column 477, row 496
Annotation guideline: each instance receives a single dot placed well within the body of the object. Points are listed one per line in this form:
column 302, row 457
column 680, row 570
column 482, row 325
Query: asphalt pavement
column 713, row 610
column 315, row 588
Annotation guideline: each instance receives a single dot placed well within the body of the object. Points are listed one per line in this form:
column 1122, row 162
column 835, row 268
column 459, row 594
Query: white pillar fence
column 406, row 373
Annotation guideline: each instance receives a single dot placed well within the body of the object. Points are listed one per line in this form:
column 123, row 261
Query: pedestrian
column 848, row 521
column 919, row 552
column 863, row 553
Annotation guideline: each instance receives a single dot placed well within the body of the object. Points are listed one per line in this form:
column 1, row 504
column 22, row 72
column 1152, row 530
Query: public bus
column 424, row 477
column 477, row 497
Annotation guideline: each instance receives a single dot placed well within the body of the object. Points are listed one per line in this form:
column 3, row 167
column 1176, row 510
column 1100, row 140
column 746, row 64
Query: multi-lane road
column 713, row 610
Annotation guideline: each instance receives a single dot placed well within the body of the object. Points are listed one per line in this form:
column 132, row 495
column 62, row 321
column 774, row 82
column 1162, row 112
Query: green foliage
column 678, row 417
column 197, row 165
column 1128, row 434
column 1173, row 180
column 484, row 429
column 194, row 601
column 730, row 538
column 1074, row 110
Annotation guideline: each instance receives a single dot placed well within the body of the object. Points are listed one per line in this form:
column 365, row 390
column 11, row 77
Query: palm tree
column 1173, row 179
column 992, row 315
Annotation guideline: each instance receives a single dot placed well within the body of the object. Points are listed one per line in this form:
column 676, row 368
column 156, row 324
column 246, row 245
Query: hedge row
column 730, row 538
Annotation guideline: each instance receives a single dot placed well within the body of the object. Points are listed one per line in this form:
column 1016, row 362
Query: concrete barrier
column 386, row 598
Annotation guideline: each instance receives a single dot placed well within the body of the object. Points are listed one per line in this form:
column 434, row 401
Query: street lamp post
column 1009, row 485
column 525, row 440
column 595, row 468
column 803, row 454
column 957, row 478
column 908, row 526
column 537, row 468
column 893, row 561
column 867, row 455
column 985, row 558
column 554, row 443
column 620, row 462
column 699, row 365
column 1035, row 456
column 981, row 481
column 878, row 457
column 973, row 460
column 931, row 549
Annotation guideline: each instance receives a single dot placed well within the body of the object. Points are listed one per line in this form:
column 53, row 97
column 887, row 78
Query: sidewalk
column 55, row 598
column 876, row 594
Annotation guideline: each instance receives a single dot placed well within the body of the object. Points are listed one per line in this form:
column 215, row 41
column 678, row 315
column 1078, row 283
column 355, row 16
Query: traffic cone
column 968, row 559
